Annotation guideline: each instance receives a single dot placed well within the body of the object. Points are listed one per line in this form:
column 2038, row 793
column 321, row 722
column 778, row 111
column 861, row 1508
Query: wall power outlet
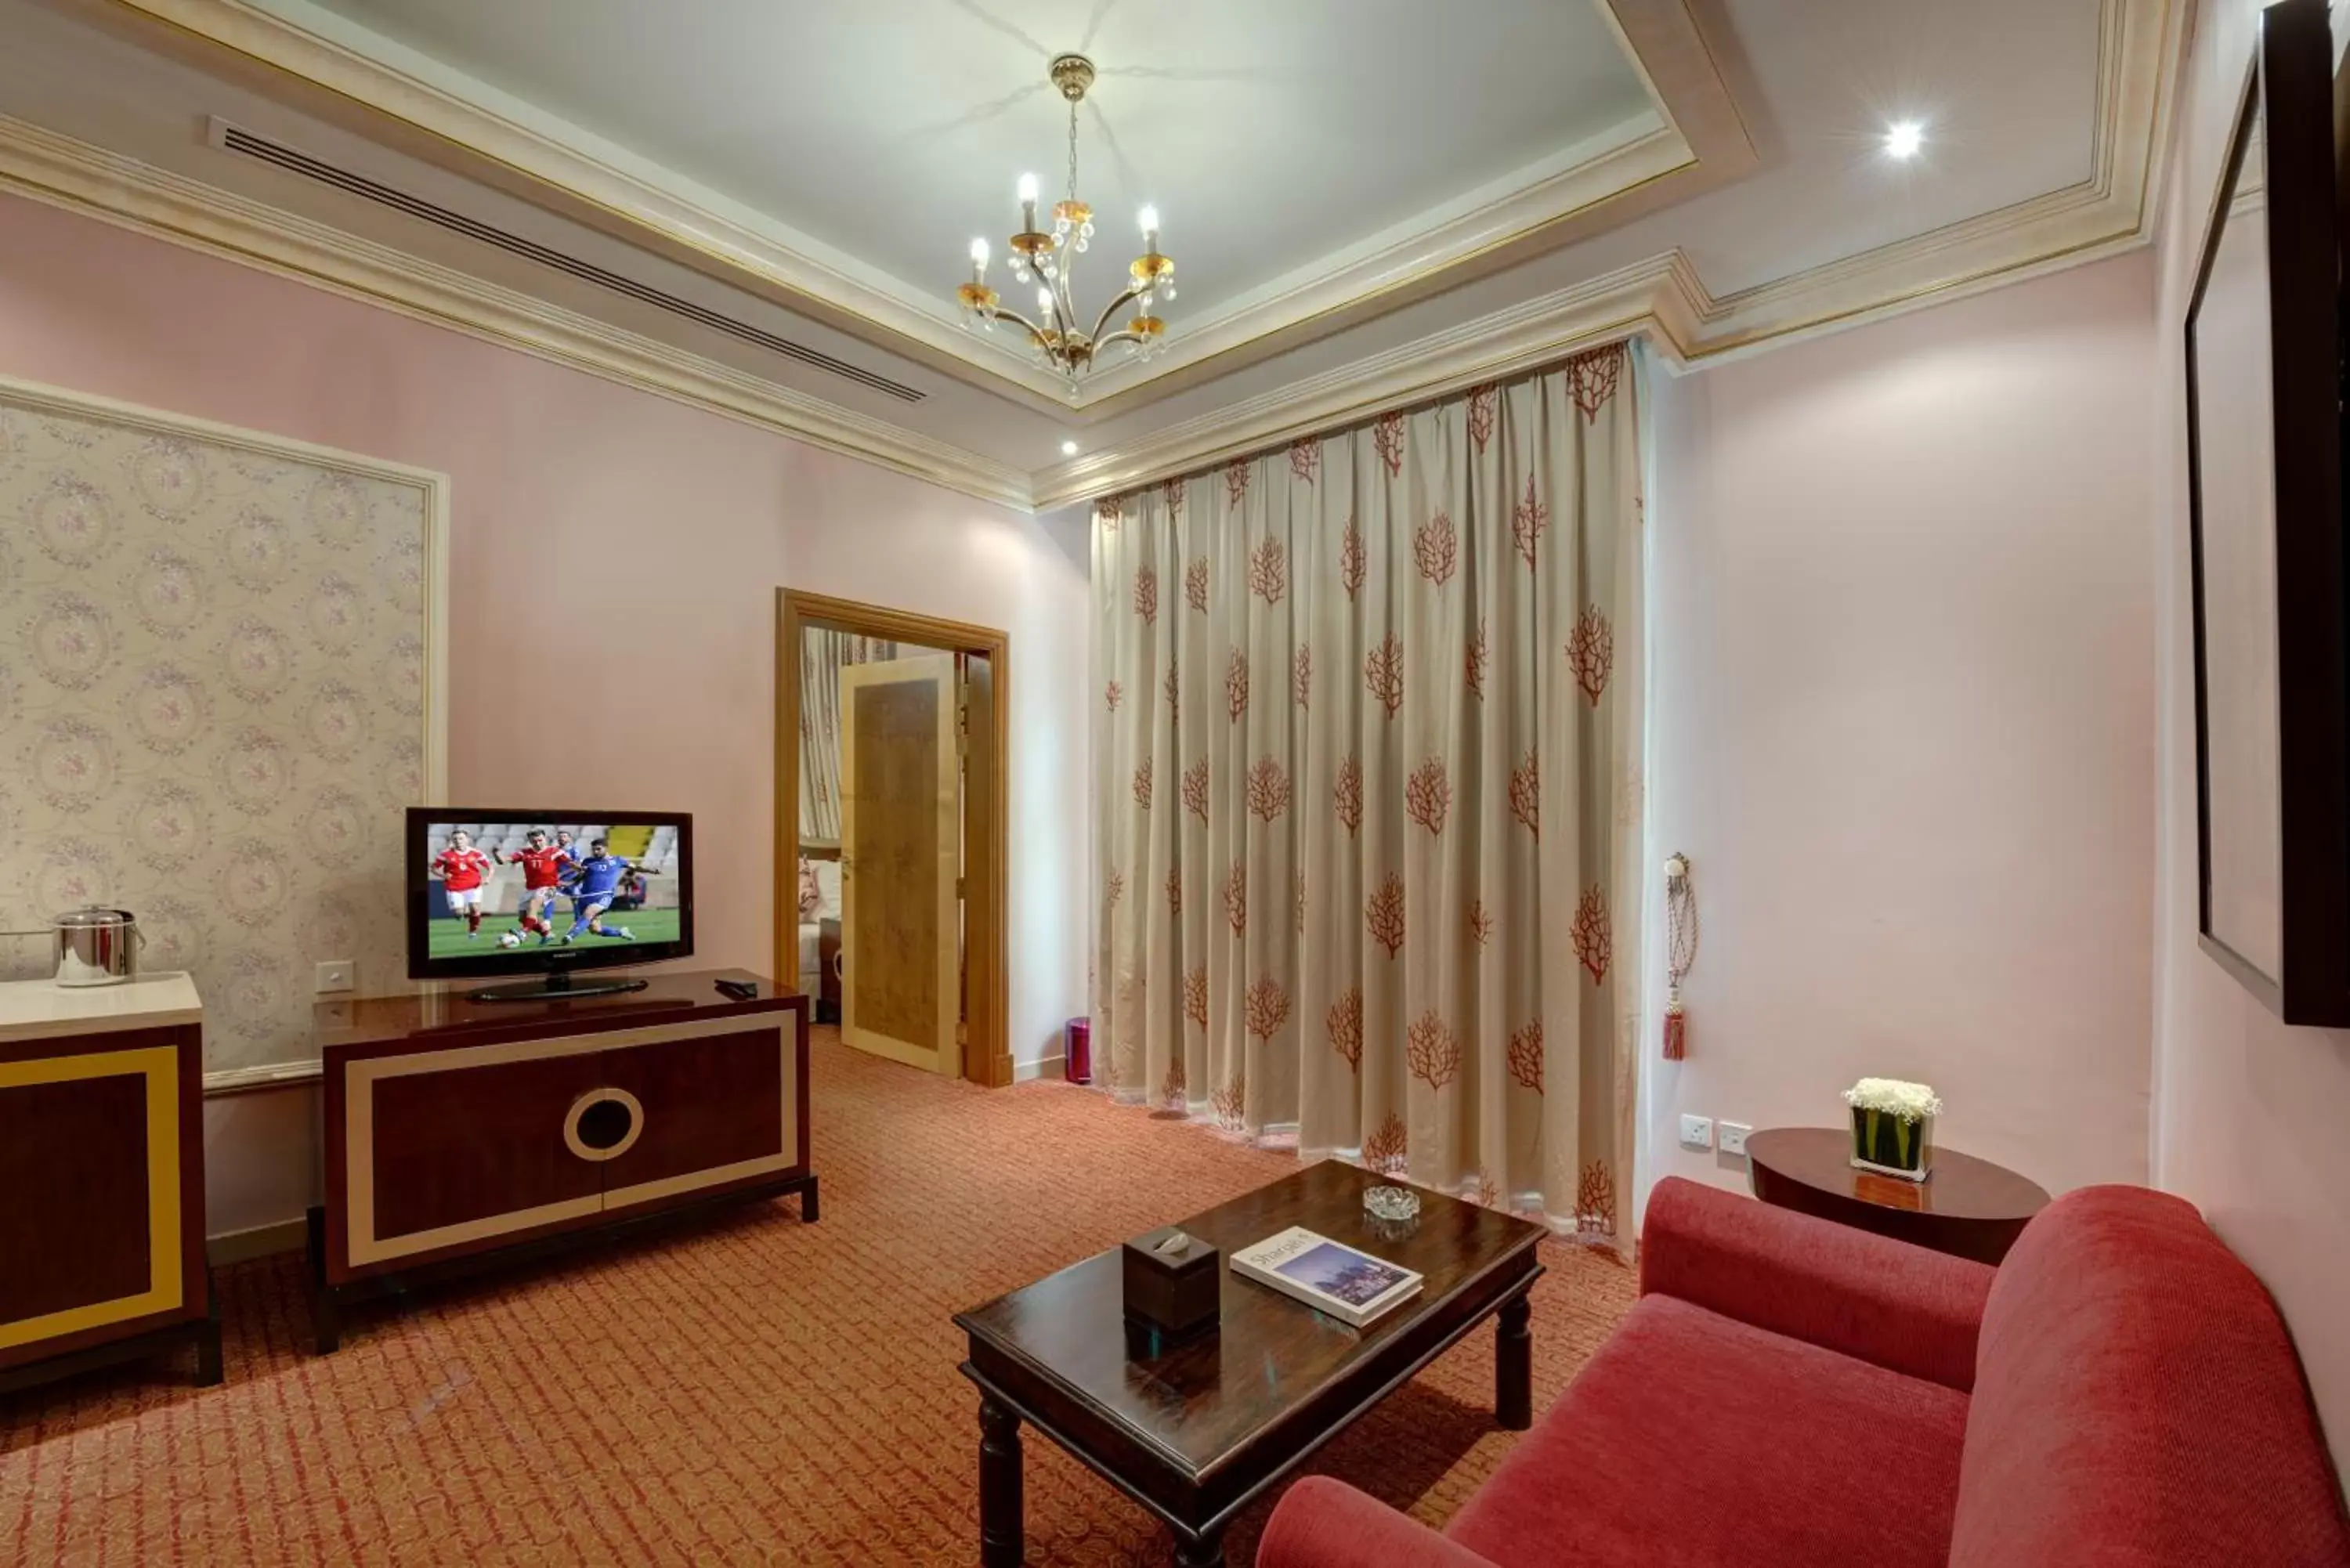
column 1697, row 1132
column 1730, row 1137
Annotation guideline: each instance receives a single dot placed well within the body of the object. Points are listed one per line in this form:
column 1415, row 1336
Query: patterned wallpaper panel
column 213, row 681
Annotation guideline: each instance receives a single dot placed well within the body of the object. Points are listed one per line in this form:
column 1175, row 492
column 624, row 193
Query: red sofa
column 1787, row 1391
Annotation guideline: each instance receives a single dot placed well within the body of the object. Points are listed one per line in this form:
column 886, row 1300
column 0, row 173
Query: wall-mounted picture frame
column 2271, row 607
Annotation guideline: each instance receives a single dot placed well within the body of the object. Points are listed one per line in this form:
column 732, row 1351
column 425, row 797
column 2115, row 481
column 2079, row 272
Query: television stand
column 554, row 986
column 456, row 1139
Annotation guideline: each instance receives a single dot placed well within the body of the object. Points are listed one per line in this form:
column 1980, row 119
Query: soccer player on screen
column 463, row 869
column 596, row 882
column 543, row 866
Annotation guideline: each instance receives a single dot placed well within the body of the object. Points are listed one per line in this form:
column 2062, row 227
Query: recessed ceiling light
column 1904, row 138
column 1068, row 449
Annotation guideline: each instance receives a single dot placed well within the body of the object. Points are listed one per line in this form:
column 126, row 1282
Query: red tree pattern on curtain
column 1171, row 1089
column 1430, row 1051
column 1195, row 994
column 1526, row 1055
column 1297, row 900
column 1110, row 511
column 1436, row 548
column 1383, row 913
column 1591, row 378
column 1116, row 887
column 1474, row 669
column 1305, row 459
column 1146, row 593
column 1301, row 675
column 1480, row 924
column 1268, row 571
column 1346, row 795
column 1484, row 405
column 1384, row 1146
column 1266, row 1006
column 1526, row 793
column 1486, row 1193
column 1195, row 584
column 1591, row 652
column 1237, row 898
column 1195, row 789
column 1345, row 1023
column 1528, row 522
column 1172, row 492
column 1173, row 687
column 1428, row 795
column 1388, row 438
column 1268, row 788
column 1354, row 558
column 1113, row 694
column 1595, row 1200
column 1231, row 1103
column 1383, row 673
column 1175, row 890
column 1142, row 784
column 1236, row 478
column 1594, row 943
column 1236, row 685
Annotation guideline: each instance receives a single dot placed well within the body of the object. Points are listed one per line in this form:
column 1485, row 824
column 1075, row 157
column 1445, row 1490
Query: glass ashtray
column 1391, row 1203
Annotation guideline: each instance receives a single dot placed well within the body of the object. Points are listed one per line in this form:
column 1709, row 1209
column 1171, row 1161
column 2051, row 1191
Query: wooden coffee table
column 1195, row 1430
column 1966, row 1207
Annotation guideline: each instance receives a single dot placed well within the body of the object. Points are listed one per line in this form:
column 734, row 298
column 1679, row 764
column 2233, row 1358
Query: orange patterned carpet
column 756, row 1391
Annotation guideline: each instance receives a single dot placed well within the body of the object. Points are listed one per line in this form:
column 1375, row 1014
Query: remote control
column 740, row 989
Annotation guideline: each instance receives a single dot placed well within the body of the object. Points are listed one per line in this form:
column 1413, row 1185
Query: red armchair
column 1787, row 1391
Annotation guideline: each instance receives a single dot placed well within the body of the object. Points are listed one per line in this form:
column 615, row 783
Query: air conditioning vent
column 233, row 138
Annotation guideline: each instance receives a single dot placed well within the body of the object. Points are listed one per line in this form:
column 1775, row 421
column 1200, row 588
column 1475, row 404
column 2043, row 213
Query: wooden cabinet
column 102, row 1178
column 461, row 1132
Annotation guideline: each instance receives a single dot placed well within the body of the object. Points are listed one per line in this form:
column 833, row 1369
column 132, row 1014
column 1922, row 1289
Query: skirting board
column 261, row 1241
column 1042, row 1067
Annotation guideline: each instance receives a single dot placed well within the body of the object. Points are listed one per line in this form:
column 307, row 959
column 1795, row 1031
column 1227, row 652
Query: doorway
column 915, row 803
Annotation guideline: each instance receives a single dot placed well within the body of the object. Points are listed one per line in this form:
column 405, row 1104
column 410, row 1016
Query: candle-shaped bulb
column 1151, row 230
column 978, row 255
column 1044, row 301
column 1027, row 187
column 1027, row 203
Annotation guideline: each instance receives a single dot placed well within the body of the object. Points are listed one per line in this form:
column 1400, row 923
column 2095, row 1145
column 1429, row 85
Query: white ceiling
column 1283, row 131
column 1268, row 134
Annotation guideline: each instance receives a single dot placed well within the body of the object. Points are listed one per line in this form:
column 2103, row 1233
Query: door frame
column 987, row 1048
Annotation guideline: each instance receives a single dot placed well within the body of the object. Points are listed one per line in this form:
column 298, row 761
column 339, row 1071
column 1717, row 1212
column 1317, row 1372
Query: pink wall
column 568, row 490
column 1904, row 725
column 2250, row 1116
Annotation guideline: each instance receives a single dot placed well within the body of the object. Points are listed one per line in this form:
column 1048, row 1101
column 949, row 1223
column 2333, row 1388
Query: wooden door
column 900, row 934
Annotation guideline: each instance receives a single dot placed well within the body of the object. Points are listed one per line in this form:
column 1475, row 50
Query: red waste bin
column 1078, row 1051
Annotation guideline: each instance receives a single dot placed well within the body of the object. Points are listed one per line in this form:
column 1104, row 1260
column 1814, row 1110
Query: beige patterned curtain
column 1368, row 771
column 823, row 656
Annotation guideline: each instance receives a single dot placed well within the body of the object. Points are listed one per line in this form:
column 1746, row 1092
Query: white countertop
column 41, row 1008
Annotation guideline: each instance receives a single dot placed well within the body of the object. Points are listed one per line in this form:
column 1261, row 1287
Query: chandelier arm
column 1032, row 328
column 1111, row 309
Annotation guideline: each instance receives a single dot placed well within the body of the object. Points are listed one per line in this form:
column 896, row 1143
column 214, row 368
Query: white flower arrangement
column 1892, row 1096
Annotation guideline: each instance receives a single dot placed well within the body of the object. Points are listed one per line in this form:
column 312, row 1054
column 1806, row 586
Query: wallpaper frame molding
column 38, row 398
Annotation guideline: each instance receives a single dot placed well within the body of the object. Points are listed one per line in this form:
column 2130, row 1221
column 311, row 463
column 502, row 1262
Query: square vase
column 1886, row 1144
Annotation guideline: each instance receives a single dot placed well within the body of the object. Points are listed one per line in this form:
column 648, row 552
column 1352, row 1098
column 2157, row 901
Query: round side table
column 1968, row 1208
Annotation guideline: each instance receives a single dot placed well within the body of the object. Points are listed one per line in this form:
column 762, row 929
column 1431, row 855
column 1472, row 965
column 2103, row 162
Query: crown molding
column 64, row 173
column 1694, row 139
column 1660, row 297
column 1664, row 299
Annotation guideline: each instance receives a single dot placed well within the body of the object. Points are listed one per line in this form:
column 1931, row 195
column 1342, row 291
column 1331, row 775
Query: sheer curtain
column 1367, row 763
column 823, row 656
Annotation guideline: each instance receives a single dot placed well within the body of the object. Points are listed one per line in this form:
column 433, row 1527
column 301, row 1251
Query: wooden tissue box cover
column 1177, row 1295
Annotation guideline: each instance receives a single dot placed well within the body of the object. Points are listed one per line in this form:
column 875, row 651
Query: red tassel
column 1675, row 1033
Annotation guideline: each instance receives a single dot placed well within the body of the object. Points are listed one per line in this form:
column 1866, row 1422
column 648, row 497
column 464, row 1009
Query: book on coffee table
column 1351, row 1287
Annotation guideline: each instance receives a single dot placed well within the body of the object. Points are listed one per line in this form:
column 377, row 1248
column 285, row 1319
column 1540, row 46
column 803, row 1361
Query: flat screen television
column 545, row 892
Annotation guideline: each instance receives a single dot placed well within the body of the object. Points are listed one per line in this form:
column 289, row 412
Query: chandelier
column 1046, row 258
